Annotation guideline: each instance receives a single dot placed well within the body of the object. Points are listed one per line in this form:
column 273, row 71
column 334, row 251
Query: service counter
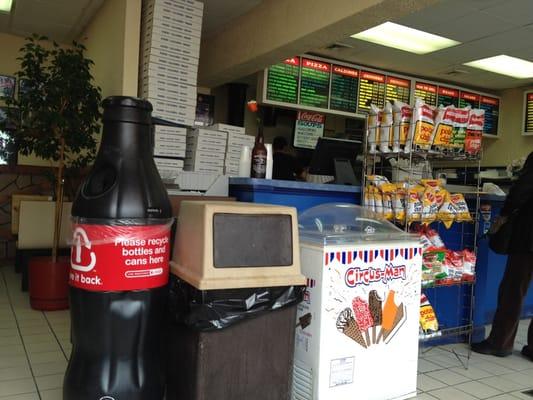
column 302, row 195
column 452, row 304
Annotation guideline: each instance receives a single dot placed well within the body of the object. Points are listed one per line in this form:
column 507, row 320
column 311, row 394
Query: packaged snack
column 427, row 275
column 377, row 180
column 429, row 206
column 433, row 183
column 447, row 212
column 443, row 131
column 388, row 190
column 378, row 201
column 469, row 265
column 369, row 199
column 414, row 205
column 373, row 127
column 428, row 319
column 474, row 131
column 401, row 117
column 385, row 128
column 436, row 259
column 462, row 214
column 398, row 204
column 422, row 125
column 460, row 123
column 435, row 238
column 454, row 264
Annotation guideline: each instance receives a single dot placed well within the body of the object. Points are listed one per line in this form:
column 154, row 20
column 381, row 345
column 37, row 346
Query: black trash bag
column 207, row 310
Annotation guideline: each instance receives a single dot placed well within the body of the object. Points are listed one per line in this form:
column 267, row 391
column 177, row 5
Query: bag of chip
column 462, row 214
column 429, row 206
column 385, row 128
column 398, row 204
column 369, row 198
column 474, row 131
column 447, row 212
column 435, row 238
column 422, row 125
column 443, row 130
column 401, row 117
column 378, row 201
column 454, row 262
column 460, row 123
column 469, row 265
column 414, row 205
column 377, row 180
column 428, row 319
column 373, row 128
column 388, row 190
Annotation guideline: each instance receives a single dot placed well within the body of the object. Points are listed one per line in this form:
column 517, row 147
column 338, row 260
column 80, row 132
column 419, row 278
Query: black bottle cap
column 127, row 109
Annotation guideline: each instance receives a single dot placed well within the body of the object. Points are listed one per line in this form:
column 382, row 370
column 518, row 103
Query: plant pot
column 49, row 283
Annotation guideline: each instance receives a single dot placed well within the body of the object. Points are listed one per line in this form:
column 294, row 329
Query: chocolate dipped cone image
column 401, row 317
column 363, row 316
column 375, row 304
column 390, row 309
column 346, row 324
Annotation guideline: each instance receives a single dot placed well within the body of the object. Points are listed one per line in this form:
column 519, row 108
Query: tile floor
column 35, row 346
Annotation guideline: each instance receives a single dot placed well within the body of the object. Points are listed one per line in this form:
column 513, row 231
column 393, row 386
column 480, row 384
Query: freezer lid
column 339, row 223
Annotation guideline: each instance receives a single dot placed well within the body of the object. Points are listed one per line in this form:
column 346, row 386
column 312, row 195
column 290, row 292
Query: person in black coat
column 518, row 272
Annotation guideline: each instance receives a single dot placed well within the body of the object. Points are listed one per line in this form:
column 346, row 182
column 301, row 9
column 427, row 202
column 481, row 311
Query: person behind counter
column 518, row 272
column 286, row 165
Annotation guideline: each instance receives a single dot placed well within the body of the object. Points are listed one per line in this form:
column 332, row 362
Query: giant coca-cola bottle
column 119, row 265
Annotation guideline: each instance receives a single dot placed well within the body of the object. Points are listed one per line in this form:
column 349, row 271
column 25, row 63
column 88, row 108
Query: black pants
column 513, row 289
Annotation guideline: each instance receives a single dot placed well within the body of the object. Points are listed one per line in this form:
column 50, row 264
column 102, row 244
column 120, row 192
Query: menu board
column 469, row 99
column 426, row 92
column 371, row 90
column 447, row 96
column 344, row 85
column 491, row 105
column 314, row 83
column 528, row 123
column 398, row 89
column 282, row 81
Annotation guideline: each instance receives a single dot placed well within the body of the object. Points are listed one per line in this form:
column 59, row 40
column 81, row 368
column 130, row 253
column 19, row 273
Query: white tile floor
column 34, row 349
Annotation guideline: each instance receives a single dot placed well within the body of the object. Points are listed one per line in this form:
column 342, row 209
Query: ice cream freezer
column 357, row 328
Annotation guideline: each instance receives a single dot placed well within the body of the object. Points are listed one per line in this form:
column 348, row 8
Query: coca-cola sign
column 311, row 117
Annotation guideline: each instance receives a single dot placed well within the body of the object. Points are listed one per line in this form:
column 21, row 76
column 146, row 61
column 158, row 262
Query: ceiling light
column 505, row 65
column 5, row 5
column 405, row 38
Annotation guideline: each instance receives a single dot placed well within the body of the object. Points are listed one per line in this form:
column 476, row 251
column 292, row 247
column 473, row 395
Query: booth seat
column 36, row 232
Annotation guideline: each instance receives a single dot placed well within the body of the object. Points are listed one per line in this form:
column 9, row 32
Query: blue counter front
column 301, row 195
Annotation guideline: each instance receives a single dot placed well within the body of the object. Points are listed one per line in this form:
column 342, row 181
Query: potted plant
column 56, row 114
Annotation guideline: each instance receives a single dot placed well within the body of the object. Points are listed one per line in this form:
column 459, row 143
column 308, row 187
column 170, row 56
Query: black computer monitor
column 337, row 158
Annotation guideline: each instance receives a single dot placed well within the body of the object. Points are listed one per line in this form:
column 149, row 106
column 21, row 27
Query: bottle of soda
column 119, row 265
column 259, row 156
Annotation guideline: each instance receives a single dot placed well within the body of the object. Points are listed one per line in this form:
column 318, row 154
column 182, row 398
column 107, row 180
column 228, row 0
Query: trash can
column 359, row 321
column 235, row 285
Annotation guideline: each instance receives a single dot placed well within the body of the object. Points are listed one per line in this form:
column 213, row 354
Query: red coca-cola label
column 311, row 117
column 118, row 258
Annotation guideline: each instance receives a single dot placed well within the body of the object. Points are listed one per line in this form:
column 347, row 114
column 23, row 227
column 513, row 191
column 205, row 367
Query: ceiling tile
column 472, row 26
column 482, row 4
column 515, row 11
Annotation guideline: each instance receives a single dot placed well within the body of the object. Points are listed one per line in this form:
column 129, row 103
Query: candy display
column 446, row 129
column 426, row 202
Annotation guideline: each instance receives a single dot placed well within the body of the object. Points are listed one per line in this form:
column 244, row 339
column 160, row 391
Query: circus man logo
column 358, row 276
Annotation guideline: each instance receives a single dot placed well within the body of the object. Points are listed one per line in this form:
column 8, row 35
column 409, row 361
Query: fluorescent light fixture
column 5, row 5
column 505, row 65
column 404, row 38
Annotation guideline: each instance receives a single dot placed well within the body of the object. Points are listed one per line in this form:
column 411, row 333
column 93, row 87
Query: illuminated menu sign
column 282, row 81
column 344, row 86
column 528, row 123
column 314, row 83
column 469, row 99
column 426, row 92
column 491, row 106
column 371, row 90
column 447, row 96
column 398, row 89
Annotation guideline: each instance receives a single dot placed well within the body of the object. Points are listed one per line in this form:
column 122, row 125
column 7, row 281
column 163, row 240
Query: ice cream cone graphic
column 363, row 316
column 375, row 305
column 390, row 309
column 347, row 324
